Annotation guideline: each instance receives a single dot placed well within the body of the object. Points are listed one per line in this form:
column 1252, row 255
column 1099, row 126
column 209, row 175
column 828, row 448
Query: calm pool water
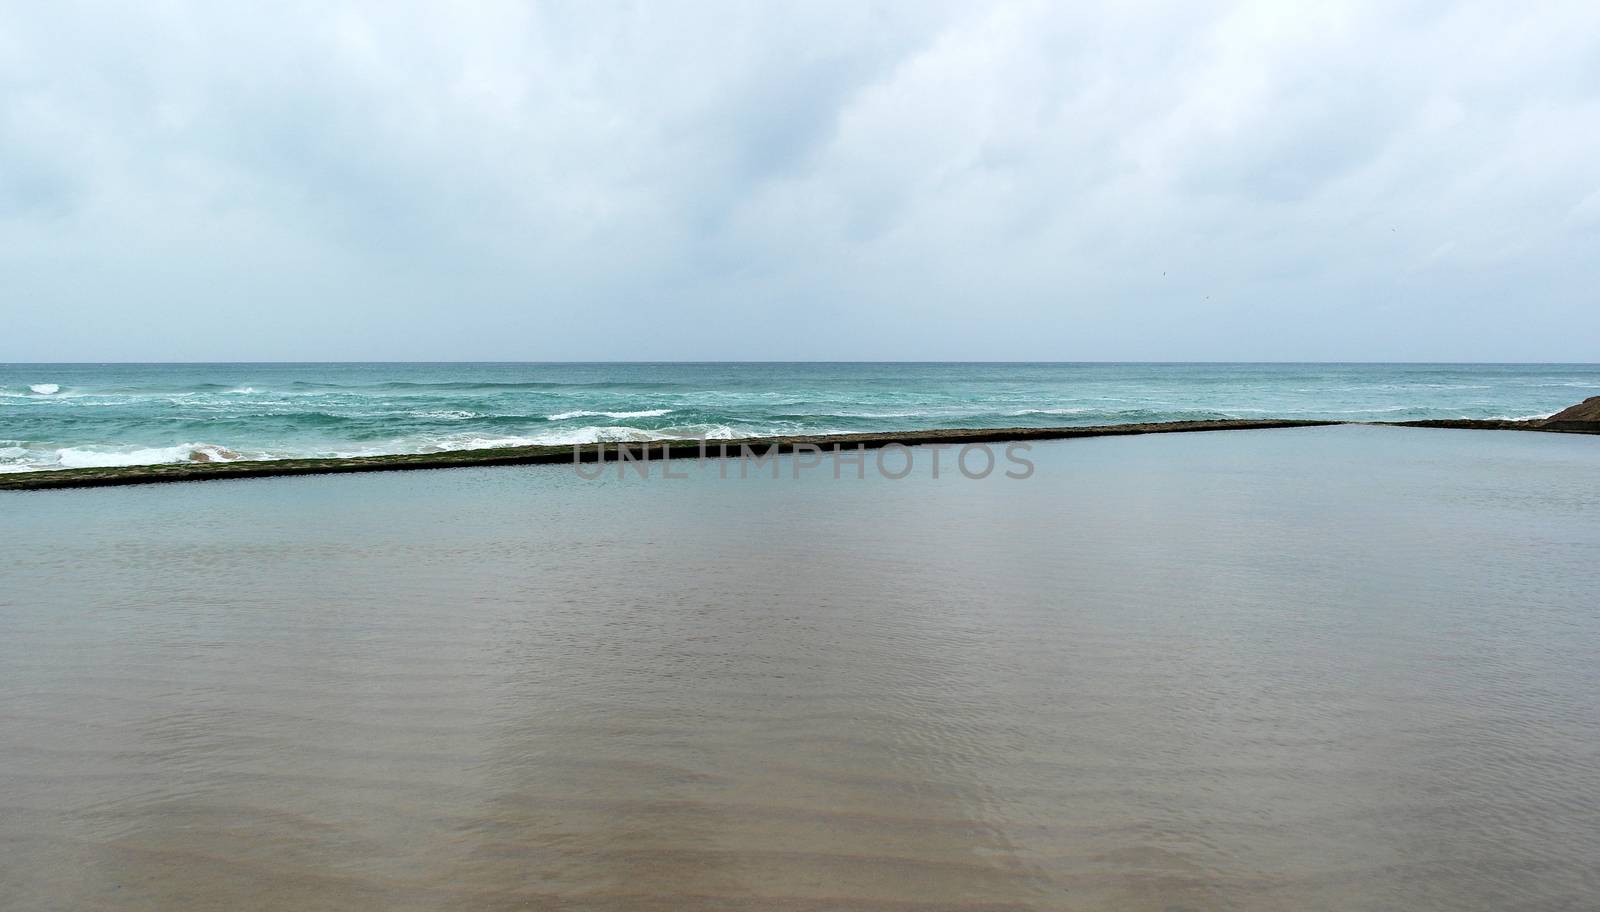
column 1333, row 668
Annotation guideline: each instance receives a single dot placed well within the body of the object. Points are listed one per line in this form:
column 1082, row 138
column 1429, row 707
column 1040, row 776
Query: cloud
column 1012, row 180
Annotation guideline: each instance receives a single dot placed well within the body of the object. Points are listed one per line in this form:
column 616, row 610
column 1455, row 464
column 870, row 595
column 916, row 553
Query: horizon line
column 104, row 363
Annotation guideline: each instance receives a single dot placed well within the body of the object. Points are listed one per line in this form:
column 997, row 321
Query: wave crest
column 101, row 457
column 581, row 413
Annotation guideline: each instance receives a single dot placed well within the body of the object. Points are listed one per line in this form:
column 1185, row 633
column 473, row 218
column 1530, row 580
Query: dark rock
column 1587, row 411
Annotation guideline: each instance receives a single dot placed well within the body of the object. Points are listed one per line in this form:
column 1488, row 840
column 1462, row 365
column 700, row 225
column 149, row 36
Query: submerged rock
column 213, row 454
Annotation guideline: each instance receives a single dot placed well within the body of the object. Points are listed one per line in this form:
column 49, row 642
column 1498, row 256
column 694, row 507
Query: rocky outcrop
column 1585, row 416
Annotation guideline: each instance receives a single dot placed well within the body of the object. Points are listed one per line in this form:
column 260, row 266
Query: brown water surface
column 1339, row 668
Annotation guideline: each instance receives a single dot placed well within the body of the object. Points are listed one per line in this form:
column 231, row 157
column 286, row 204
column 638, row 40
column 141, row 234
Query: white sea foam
column 11, row 457
column 647, row 413
column 563, row 437
column 46, row 389
column 706, row 432
column 595, row 434
column 110, row 457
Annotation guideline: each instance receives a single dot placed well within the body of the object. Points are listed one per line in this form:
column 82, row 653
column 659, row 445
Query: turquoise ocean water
column 70, row 415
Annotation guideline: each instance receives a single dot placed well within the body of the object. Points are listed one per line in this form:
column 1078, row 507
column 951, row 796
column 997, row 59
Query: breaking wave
column 646, row 413
column 24, row 459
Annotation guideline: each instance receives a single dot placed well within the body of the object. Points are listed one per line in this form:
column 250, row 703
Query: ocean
column 1320, row 668
column 55, row 416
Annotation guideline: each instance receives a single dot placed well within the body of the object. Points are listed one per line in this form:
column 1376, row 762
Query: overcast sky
column 684, row 181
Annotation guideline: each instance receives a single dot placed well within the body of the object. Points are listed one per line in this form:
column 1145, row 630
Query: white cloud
column 1016, row 180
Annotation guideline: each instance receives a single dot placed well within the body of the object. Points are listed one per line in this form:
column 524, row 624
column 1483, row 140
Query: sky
column 799, row 181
